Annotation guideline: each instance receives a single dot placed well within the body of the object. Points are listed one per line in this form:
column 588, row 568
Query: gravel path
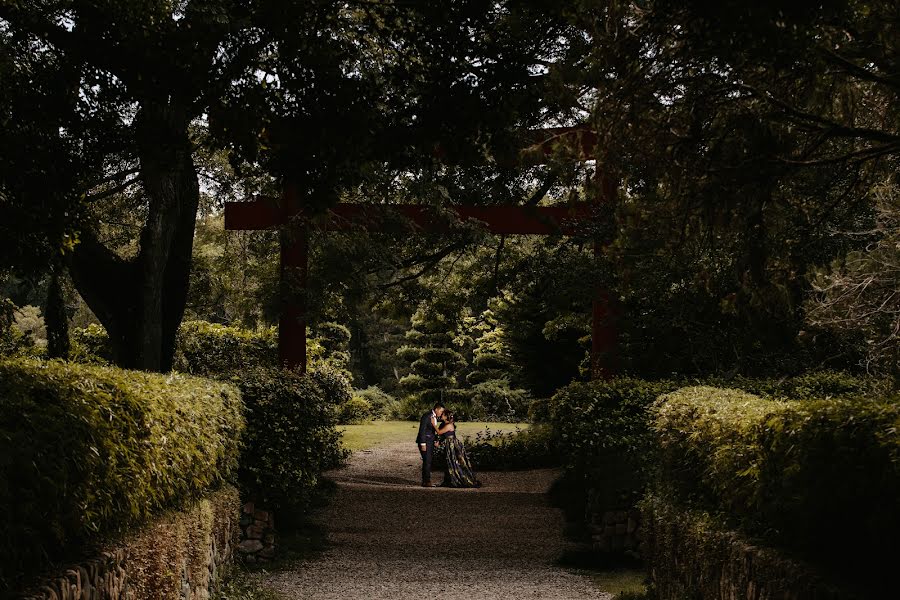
column 500, row 541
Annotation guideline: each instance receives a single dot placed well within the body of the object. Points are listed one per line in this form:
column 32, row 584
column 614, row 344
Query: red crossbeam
column 573, row 143
column 269, row 213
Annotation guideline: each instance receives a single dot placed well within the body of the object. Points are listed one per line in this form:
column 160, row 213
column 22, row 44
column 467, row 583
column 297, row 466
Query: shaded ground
column 389, row 538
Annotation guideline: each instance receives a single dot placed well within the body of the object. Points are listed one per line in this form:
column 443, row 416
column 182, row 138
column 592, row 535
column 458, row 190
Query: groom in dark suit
column 426, row 438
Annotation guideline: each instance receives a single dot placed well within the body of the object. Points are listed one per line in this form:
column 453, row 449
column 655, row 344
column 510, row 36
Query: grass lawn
column 366, row 435
column 620, row 581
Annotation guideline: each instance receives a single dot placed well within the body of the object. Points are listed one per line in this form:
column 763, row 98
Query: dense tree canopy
column 747, row 141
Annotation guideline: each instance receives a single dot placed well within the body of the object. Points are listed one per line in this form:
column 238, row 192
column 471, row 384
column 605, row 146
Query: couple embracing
column 439, row 425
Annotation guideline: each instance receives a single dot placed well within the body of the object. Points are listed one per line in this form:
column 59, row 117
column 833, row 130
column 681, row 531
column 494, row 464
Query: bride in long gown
column 459, row 473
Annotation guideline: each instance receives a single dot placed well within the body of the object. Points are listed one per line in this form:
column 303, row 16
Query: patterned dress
column 459, row 473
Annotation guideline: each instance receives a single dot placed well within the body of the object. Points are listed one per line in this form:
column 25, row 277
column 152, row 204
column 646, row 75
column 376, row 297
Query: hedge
column 87, row 450
column 215, row 350
column 532, row 448
column 291, row 435
column 210, row 349
column 820, row 476
column 605, row 430
column 604, row 434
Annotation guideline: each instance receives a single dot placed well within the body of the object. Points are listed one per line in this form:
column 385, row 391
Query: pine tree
column 434, row 362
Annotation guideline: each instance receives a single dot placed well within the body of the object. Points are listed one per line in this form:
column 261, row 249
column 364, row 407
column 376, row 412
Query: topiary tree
column 334, row 340
column 434, row 362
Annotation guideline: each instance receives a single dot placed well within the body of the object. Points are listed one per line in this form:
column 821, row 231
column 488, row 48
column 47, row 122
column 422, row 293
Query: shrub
column 381, row 404
column 355, row 410
column 90, row 345
column 412, row 407
column 290, row 436
column 812, row 385
column 605, row 435
column 211, row 349
column 499, row 400
column 533, row 448
column 539, row 410
column 88, row 450
column 820, row 476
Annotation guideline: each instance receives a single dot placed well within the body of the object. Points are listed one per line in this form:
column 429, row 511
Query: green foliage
column 290, row 437
column 605, row 435
column 785, row 469
column 211, row 349
column 434, row 363
column 382, row 405
column 811, row 385
column 215, row 350
column 87, row 450
column 334, row 339
column 90, row 345
column 354, row 411
column 534, row 448
column 499, row 400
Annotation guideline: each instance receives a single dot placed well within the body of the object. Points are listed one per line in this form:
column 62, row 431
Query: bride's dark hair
column 448, row 416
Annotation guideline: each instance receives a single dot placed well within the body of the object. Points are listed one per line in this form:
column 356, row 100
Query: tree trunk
column 55, row 318
column 141, row 302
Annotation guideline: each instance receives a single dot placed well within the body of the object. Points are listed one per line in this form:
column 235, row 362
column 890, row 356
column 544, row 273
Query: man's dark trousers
column 426, row 436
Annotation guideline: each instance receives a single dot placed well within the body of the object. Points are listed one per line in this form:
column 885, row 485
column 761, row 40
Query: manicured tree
column 334, row 339
column 434, row 362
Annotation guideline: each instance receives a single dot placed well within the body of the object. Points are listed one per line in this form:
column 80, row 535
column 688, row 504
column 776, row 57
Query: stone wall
column 614, row 526
column 690, row 555
column 616, row 531
column 257, row 534
column 182, row 555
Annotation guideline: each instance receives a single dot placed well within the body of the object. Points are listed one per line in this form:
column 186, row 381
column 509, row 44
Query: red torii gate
column 271, row 213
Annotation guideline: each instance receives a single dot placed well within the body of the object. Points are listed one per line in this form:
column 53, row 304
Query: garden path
column 389, row 538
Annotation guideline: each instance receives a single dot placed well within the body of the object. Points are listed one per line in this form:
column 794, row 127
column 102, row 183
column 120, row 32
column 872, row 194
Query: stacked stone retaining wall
column 182, row 555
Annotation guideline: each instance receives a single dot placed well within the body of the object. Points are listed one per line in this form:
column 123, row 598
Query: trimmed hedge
column 604, row 434
column 291, row 436
column 87, row 451
column 215, row 350
column 211, row 350
column 821, row 476
column 814, row 385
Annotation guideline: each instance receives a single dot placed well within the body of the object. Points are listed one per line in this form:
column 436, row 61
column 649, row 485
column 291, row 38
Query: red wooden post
column 603, row 327
column 294, row 275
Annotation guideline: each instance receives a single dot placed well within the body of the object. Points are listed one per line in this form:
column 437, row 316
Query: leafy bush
column 499, row 400
column 412, row 407
column 815, row 385
column 87, row 450
column 211, row 349
column 90, row 345
column 355, row 410
column 604, row 433
column 820, row 476
column 539, row 410
column 290, row 437
column 384, row 405
column 605, row 427
column 533, row 448
column 214, row 350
